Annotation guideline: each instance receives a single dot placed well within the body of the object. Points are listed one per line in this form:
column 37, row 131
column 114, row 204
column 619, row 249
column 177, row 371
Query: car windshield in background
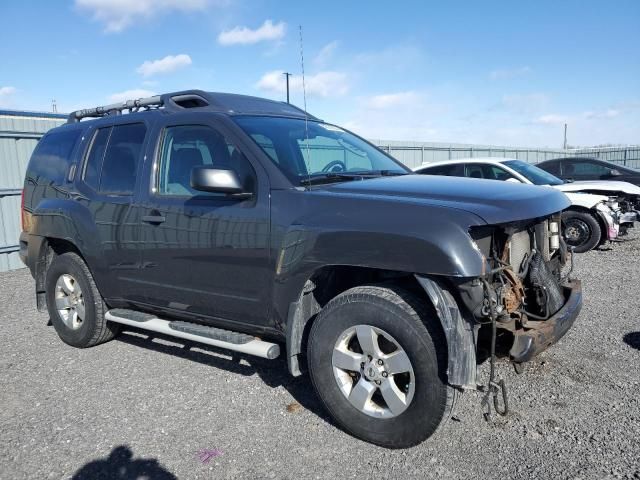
column 308, row 151
column 535, row 175
column 620, row 168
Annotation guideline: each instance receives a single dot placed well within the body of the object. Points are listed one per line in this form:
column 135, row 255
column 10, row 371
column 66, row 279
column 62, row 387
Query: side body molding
column 461, row 335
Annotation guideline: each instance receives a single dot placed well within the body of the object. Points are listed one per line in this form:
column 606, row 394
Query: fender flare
column 460, row 331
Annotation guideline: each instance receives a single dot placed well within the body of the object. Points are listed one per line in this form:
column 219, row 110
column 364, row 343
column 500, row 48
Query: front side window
column 488, row 172
column 188, row 146
column 112, row 161
column 303, row 149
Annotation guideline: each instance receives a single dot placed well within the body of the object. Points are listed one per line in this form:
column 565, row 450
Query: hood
column 603, row 185
column 492, row 200
column 586, row 200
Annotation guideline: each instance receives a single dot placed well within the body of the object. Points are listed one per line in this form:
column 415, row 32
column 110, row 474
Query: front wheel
column 377, row 359
column 581, row 231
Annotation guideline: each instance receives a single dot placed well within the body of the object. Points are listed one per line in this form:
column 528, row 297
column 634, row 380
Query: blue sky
column 504, row 73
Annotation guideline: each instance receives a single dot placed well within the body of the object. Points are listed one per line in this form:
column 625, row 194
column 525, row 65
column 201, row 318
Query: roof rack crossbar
column 117, row 108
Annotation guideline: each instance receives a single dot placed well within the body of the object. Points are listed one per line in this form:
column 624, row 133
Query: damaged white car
column 590, row 221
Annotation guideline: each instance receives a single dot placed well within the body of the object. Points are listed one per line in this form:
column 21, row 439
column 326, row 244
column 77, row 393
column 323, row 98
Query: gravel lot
column 141, row 406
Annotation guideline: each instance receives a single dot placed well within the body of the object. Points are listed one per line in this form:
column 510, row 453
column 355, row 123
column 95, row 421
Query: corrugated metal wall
column 20, row 131
column 19, row 134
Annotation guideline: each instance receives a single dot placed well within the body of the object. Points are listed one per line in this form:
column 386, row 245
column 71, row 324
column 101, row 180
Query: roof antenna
column 306, row 120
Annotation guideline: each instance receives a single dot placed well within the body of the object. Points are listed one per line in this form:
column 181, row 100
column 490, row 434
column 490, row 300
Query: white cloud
column 394, row 100
column 117, row 15
column 508, row 73
column 6, row 94
column 130, row 95
column 609, row 113
column 4, row 91
column 268, row 31
column 322, row 84
column 325, row 53
column 168, row 64
column 551, row 119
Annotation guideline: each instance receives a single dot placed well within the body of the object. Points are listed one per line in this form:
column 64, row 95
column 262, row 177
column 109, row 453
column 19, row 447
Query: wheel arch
column 327, row 282
column 47, row 249
column 595, row 214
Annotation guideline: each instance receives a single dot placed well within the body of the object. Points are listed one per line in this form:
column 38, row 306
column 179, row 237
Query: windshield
column 535, row 175
column 316, row 149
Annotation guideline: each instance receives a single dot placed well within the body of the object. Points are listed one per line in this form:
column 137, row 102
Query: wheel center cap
column 371, row 371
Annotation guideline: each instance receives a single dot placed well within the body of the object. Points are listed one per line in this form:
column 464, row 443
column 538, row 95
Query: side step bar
column 238, row 342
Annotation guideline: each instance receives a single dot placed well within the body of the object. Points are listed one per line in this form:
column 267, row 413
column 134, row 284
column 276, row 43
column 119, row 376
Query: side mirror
column 615, row 172
column 210, row 179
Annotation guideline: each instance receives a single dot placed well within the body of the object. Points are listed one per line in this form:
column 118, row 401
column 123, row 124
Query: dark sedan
column 583, row 168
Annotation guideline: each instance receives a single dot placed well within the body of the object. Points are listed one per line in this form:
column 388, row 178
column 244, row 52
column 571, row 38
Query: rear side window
column 51, row 158
column 112, row 161
column 93, row 166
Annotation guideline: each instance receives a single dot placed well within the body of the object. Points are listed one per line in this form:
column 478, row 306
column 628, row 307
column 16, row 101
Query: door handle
column 155, row 217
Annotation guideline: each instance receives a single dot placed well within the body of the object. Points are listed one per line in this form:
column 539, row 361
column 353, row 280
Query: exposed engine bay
column 526, row 264
column 523, row 302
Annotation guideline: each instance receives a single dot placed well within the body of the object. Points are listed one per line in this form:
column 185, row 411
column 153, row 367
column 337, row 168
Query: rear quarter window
column 51, row 159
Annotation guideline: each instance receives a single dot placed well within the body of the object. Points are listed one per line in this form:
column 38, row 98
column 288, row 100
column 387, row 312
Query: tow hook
column 493, row 387
column 493, row 390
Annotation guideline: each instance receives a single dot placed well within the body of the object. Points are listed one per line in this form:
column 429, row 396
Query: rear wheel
column 75, row 305
column 581, row 231
column 377, row 361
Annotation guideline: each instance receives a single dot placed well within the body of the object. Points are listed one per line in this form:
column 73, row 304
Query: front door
column 205, row 253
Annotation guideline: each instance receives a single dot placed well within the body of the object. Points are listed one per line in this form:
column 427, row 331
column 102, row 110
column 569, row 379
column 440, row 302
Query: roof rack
column 229, row 103
column 116, row 108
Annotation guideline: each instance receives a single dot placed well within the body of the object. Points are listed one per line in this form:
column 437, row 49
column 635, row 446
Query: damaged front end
column 525, row 292
column 523, row 302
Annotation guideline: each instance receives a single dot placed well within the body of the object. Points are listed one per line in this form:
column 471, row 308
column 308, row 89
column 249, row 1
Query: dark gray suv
column 248, row 224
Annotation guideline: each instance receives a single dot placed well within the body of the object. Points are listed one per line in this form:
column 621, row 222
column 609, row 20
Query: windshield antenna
column 304, row 97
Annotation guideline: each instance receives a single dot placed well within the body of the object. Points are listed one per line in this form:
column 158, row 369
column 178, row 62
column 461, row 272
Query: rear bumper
column 540, row 335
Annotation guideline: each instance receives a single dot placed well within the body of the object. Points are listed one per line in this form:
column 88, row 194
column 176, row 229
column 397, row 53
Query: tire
column 405, row 319
column 581, row 230
column 70, row 288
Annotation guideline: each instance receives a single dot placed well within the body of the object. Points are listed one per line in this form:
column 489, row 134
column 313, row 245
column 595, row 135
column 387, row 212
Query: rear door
column 108, row 180
column 205, row 254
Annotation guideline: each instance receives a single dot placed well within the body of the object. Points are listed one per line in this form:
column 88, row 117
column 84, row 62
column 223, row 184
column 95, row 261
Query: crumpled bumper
column 540, row 335
column 630, row 217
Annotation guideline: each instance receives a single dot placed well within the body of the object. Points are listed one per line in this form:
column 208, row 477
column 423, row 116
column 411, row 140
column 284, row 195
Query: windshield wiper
column 329, row 177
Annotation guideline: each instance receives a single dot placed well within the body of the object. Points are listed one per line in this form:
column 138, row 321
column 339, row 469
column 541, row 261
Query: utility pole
column 54, row 106
column 287, row 75
column 565, row 136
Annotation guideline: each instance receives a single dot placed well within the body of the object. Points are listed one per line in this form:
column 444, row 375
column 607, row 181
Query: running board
column 238, row 342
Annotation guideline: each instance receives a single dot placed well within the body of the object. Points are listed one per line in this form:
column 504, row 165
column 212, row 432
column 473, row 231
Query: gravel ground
column 138, row 406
